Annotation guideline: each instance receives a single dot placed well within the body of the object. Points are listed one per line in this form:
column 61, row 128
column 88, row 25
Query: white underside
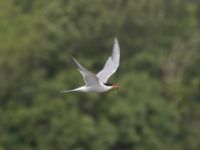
column 99, row 89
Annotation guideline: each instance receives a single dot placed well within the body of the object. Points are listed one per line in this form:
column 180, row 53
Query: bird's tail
column 80, row 89
column 67, row 91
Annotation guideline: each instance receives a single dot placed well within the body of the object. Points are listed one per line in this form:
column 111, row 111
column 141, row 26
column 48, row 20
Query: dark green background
column 158, row 104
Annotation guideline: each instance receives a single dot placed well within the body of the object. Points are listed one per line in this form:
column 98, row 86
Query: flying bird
column 98, row 82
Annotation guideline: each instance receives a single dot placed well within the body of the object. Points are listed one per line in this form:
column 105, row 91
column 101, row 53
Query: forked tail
column 67, row 91
column 80, row 89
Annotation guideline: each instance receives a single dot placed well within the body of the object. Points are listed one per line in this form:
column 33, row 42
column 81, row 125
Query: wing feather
column 111, row 64
column 89, row 78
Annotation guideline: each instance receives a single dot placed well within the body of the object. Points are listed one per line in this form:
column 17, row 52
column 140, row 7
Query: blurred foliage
column 158, row 105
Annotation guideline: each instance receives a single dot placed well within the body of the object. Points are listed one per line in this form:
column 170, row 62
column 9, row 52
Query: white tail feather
column 66, row 91
column 81, row 89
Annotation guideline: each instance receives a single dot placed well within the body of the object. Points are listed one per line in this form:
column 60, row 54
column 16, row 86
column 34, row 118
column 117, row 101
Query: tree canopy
column 158, row 104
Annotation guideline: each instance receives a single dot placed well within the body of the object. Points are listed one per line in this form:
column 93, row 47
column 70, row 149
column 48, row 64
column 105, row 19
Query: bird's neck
column 108, row 86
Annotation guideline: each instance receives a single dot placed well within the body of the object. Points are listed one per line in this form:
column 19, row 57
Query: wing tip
column 116, row 42
column 73, row 58
column 75, row 62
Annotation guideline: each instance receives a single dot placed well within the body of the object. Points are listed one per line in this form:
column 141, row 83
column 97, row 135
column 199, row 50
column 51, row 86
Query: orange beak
column 115, row 86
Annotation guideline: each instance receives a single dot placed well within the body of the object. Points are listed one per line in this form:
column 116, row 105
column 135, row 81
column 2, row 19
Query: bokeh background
column 158, row 104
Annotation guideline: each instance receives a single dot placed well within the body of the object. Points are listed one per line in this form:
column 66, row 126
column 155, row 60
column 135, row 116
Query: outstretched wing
column 89, row 78
column 111, row 65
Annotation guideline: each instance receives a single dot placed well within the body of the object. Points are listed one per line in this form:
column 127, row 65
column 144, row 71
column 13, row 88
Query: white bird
column 98, row 82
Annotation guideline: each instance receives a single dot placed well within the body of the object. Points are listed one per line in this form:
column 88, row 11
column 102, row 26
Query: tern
column 98, row 83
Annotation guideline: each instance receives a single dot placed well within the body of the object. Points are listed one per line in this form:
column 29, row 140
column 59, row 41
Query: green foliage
column 157, row 106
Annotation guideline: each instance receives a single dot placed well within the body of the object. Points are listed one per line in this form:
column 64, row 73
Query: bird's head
column 113, row 86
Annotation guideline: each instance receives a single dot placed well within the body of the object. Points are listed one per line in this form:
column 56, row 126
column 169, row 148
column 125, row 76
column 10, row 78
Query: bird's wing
column 89, row 78
column 111, row 65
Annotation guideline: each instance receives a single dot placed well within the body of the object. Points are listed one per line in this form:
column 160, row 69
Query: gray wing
column 111, row 65
column 89, row 78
